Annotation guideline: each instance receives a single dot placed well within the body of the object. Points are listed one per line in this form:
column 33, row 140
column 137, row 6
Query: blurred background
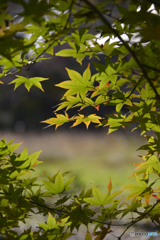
column 92, row 155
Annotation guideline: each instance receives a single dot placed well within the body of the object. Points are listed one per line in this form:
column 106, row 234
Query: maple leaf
column 86, row 120
column 58, row 121
column 77, row 84
column 100, row 199
column 151, row 164
column 28, row 82
column 137, row 189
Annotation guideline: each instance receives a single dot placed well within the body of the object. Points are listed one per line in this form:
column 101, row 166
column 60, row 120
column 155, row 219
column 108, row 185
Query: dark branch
column 152, row 68
column 139, row 219
column 115, row 32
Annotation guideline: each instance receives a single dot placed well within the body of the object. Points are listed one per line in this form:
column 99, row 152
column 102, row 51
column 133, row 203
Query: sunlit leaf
column 77, row 84
column 28, row 82
column 58, row 121
column 86, row 120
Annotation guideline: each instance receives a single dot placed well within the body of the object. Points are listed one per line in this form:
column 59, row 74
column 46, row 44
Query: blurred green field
column 93, row 157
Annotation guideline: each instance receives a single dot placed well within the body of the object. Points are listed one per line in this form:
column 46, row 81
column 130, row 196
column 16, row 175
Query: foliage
column 132, row 83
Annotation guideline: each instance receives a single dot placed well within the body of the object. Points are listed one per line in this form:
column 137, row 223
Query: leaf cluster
column 131, row 85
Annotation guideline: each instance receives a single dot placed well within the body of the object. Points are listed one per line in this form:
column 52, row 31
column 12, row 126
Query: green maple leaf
column 58, row 121
column 71, row 101
column 137, row 189
column 80, row 215
column 151, row 164
column 56, row 187
column 25, row 161
column 28, row 82
column 77, row 84
column 86, row 119
column 59, row 184
column 101, row 199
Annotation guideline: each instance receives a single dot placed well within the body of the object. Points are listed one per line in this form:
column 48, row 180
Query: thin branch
column 115, row 32
column 152, row 68
column 152, row 220
column 108, row 15
column 49, row 208
column 138, row 82
column 44, row 51
column 70, row 10
column 139, row 219
column 60, row 211
column 112, row 8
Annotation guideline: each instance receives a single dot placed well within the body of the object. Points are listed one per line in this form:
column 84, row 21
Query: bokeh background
column 92, row 155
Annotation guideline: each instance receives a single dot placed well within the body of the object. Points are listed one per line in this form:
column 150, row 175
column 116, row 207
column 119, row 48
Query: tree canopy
column 76, row 28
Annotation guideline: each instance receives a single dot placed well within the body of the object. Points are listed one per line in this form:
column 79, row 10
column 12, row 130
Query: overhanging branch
column 115, row 32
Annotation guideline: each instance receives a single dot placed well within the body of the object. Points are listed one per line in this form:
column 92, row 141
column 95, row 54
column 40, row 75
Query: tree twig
column 139, row 219
column 70, row 10
column 115, row 32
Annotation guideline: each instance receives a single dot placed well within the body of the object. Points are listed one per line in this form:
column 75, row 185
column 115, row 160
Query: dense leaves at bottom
column 21, row 196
